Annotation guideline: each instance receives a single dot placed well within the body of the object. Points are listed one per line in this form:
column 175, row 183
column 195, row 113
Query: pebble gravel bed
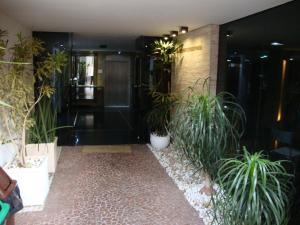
column 189, row 181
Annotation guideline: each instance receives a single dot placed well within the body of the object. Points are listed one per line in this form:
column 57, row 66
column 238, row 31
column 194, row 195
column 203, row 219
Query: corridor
column 118, row 188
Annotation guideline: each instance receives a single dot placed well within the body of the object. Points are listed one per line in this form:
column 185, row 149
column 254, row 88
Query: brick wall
column 198, row 58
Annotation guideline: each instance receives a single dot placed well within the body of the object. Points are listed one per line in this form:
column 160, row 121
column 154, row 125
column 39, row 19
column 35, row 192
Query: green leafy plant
column 255, row 191
column 165, row 50
column 16, row 86
column 205, row 127
column 158, row 118
column 45, row 123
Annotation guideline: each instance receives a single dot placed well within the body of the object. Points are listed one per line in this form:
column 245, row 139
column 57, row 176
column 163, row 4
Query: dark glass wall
column 259, row 62
column 53, row 42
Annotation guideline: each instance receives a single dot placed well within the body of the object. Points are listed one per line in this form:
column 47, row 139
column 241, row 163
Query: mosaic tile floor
column 112, row 189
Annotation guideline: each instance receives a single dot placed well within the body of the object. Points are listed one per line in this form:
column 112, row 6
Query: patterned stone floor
column 112, row 189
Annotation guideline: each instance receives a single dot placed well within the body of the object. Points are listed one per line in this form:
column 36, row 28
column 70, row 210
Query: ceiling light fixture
column 174, row 33
column 184, row 30
column 276, row 43
column 166, row 36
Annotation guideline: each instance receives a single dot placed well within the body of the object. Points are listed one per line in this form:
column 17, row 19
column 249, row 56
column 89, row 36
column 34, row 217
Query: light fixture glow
column 276, row 43
column 228, row 33
column 166, row 36
column 184, row 30
column 283, row 75
column 291, row 59
column 264, row 56
column 174, row 33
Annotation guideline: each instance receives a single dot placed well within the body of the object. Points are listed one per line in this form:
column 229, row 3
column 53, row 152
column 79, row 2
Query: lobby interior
column 250, row 49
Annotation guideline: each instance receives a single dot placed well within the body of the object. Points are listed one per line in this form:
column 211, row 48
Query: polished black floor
column 101, row 126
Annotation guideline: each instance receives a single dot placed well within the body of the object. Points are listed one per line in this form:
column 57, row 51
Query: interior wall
column 198, row 59
column 262, row 76
column 13, row 27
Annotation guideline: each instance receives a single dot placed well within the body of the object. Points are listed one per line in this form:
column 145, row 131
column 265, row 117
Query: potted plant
column 16, row 89
column 165, row 50
column 255, row 191
column 42, row 138
column 158, row 119
column 163, row 53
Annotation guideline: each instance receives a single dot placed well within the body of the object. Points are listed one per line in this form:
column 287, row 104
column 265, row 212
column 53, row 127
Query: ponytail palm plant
column 255, row 191
column 205, row 127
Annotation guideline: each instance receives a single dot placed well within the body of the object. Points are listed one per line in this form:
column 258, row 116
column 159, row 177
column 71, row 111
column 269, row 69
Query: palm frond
column 255, row 191
column 205, row 127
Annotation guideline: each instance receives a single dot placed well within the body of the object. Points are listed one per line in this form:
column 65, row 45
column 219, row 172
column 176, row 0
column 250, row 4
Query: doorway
column 117, row 81
column 117, row 120
column 84, row 89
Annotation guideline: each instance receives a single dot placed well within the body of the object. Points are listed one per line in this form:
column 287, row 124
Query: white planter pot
column 49, row 149
column 33, row 182
column 159, row 142
column 7, row 153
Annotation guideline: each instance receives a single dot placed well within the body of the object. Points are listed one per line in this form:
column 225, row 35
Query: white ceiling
column 100, row 20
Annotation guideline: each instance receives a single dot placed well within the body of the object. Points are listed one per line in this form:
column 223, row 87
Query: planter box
column 49, row 149
column 7, row 153
column 33, row 182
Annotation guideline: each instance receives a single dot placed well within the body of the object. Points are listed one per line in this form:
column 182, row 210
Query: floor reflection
column 102, row 126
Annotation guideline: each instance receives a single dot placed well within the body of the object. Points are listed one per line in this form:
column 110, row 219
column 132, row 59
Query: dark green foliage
column 164, row 51
column 256, row 191
column 158, row 118
column 205, row 127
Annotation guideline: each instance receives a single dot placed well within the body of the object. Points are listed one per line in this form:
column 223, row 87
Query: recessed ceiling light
column 166, row 36
column 184, row 30
column 174, row 33
column 119, row 52
column 61, row 45
column 276, row 43
column 291, row 59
